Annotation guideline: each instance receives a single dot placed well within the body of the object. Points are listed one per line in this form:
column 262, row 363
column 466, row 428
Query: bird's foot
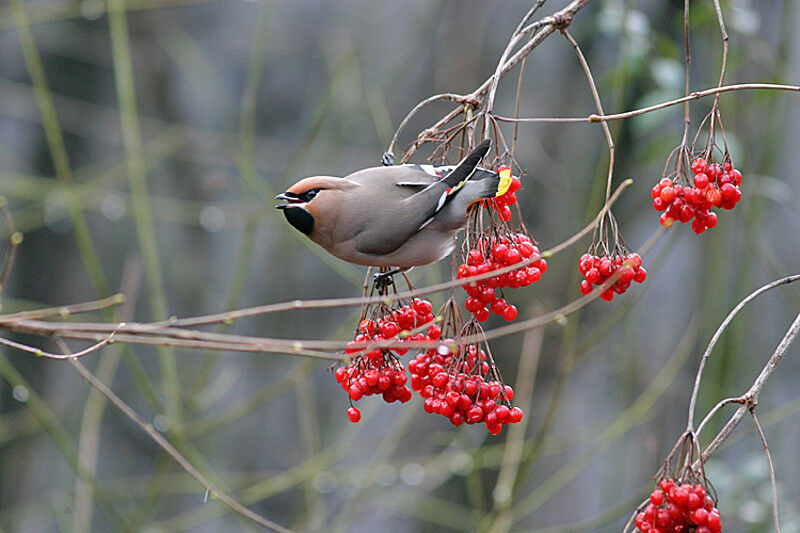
column 382, row 280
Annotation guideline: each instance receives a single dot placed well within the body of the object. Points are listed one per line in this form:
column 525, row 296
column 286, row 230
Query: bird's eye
column 309, row 195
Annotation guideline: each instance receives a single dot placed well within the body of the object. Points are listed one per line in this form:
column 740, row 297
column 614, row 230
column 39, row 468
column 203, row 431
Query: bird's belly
column 425, row 247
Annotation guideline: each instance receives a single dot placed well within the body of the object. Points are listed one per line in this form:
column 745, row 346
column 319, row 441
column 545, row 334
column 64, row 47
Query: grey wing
column 389, row 220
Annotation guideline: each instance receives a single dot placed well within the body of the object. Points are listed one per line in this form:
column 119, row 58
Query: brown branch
column 41, row 353
column 772, row 482
column 750, row 398
column 598, row 104
column 352, row 302
column 721, row 330
column 548, row 26
column 65, row 311
column 628, row 114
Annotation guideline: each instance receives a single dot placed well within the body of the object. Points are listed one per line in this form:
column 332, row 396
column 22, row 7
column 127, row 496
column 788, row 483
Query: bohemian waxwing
column 392, row 216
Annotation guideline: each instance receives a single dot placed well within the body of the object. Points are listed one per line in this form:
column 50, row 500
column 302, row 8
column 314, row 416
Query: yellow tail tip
column 505, row 180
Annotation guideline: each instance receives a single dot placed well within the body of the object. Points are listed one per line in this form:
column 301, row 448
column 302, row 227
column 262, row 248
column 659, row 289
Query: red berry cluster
column 597, row 269
column 378, row 371
column 389, row 326
column 493, row 254
column 679, row 508
column 502, row 204
column 455, row 385
column 714, row 186
column 365, row 377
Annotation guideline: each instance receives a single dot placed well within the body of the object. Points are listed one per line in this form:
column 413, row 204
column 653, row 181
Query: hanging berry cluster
column 379, row 371
column 492, row 245
column 596, row 270
column 492, row 254
column 607, row 256
column 679, row 508
column 712, row 184
column 462, row 383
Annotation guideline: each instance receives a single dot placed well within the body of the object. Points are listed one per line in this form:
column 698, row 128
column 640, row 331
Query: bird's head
column 311, row 199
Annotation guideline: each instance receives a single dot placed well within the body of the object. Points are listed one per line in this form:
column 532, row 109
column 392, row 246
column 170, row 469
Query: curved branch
column 628, row 114
column 721, row 330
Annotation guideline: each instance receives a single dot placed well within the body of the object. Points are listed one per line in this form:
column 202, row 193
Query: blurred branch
column 137, row 179
column 57, row 148
column 94, row 407
column 164, row 444
column 52, row 424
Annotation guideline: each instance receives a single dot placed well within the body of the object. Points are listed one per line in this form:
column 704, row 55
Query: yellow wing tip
column 505, row 180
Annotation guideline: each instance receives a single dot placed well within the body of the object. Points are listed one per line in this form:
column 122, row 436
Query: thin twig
column 721, row 330
column 628, row 114
column 548, row 26
column 65, row 311
column 599, row 105
column 772, row 482
column 714, row 410
column 41, row 353
column 750, row 398
column 687, row 62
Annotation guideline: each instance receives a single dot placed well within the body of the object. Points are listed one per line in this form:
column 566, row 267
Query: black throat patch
column 300, row 219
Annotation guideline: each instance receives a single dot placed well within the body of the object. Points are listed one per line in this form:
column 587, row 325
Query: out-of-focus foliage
column 236, row 100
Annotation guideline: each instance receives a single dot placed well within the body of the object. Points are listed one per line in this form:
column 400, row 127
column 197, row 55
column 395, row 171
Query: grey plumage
column 397, row 216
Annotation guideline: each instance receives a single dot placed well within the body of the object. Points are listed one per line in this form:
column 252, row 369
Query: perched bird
column 392, row 216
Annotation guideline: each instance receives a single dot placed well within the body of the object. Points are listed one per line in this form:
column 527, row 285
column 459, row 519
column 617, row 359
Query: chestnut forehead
column 307, row 184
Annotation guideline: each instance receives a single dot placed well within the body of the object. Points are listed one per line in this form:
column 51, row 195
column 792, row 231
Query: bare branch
column 721, row 330
column 41, row 353
column 628, row 114
column 772, row 482
column 751, row 396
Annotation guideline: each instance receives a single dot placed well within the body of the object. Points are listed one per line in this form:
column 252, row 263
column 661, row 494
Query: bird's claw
column 382, row 280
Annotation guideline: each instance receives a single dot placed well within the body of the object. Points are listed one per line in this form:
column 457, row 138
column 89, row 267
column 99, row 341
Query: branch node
column 561, row 21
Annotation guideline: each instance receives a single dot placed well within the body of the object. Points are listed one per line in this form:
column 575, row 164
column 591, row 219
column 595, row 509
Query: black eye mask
column 308, row 195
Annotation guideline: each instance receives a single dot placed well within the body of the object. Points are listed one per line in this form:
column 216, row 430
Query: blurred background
column 140, row 151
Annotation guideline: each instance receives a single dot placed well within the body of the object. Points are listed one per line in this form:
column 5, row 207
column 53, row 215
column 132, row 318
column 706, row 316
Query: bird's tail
column 466, row 168
column 486, row 184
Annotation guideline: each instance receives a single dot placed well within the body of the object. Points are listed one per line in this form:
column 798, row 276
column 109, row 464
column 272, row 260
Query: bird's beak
column 289, row 197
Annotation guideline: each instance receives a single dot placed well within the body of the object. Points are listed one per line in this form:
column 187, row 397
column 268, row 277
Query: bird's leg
column 382, row 280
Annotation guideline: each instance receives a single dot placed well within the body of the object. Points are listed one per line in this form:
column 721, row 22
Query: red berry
column 657, row 498
column 502, row 412
column 586, row 287
column 354, row 415
column 699, row 165
column 355, row 392
column 700, row 517
column 481, row 314
column 510, row 313
column 701, row 181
